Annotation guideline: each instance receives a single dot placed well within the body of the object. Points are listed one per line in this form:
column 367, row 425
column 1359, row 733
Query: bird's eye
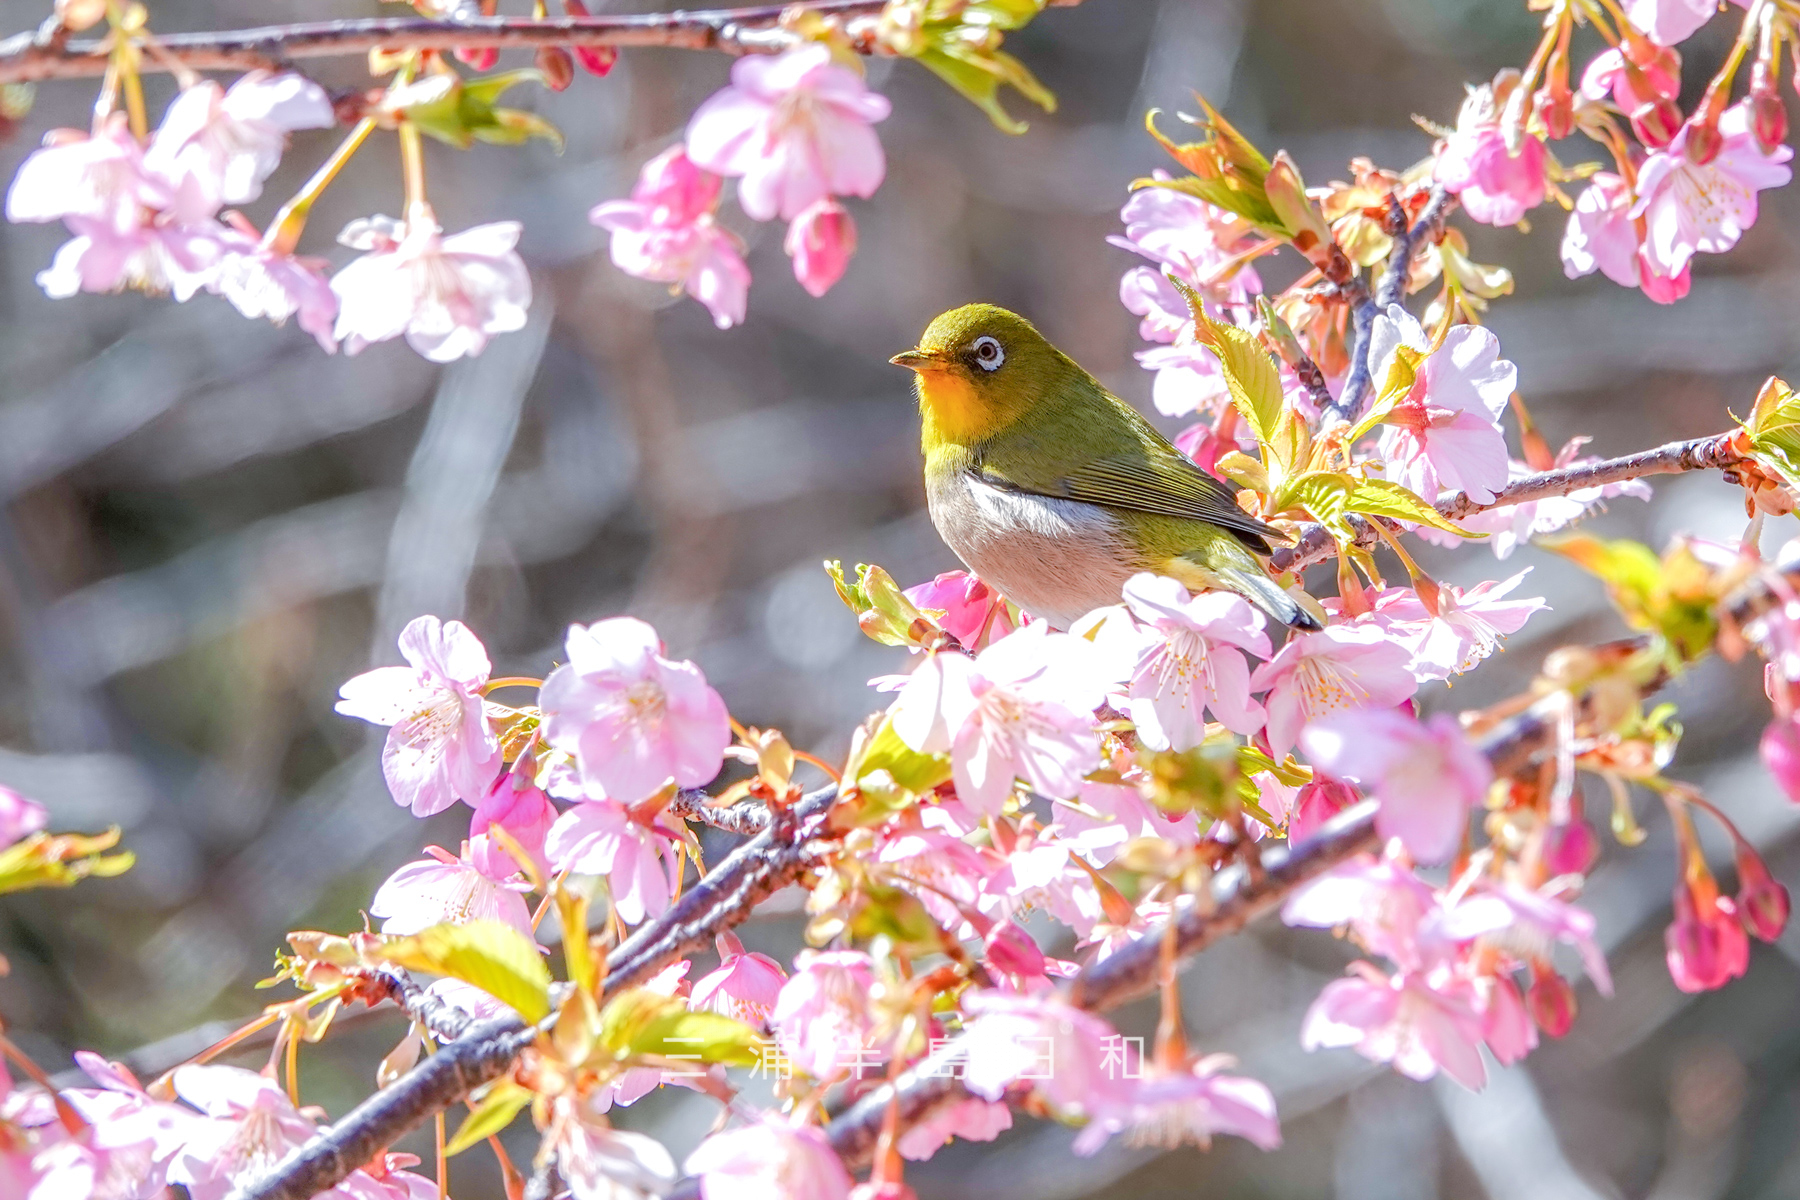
column 988, row 354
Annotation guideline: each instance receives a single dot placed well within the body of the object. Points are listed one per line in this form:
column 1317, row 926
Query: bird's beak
column 919, row 360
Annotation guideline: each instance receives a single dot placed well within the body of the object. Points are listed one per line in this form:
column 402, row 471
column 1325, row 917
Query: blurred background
column 209, row 524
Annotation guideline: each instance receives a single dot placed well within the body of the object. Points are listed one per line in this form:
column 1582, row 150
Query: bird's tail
column 1233, row 569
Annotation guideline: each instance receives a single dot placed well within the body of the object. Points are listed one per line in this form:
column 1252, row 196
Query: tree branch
column 487, row 1050
column 30, row 56
column 1718, row 451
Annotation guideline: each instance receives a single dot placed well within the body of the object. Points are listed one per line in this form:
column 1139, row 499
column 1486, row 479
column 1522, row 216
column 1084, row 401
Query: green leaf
column 60, row 860
column 1774, row 429
column 979, row 75
column 491, row 955
column 1384, row 498
column 461, row 112
column 1403, row 372
column 1250, row 374
column 1324, row 495
column 641, row 1022
column 960, row 44
column 882, row 609
column 489, row 1115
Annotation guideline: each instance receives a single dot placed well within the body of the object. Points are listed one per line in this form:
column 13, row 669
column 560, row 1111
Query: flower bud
column 1656, row 124
column 821, row 241
column 1011, row 951
column 1551, row 1001
column 1768, row 119
column 1556, row 105
column 481, row 58
column 1571, row 849
column 596, row 60
column 557, row 66
column 1761, row 901
column 1704, row 141
column 1781, row 754
column 1706, row 946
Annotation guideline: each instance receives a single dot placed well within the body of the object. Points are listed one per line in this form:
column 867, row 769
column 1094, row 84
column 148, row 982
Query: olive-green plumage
column 1055, row 490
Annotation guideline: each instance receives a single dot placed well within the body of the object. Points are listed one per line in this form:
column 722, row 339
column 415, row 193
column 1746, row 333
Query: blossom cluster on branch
column 1038, row 820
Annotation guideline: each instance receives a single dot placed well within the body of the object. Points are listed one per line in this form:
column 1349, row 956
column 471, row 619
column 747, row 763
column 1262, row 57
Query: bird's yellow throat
column 950, row 409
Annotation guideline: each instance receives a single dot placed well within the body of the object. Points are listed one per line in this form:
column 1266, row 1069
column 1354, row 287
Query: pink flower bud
column 597, row 60
column 1556, row 106
column 1317, row 804
column 557, row 66
column 1656, row 124
column 1781, row 754
column 526, row 814
column 1571, row 849
column 1704, row 141
column 1011, row 951
column 481, row 58
column 1761, row 901
column 1705, row 948
column 821, row 241
column 1551, row 1001
column 1768, row 119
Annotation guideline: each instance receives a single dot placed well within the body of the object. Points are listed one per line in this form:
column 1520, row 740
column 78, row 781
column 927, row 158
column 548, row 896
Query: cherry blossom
column 1444, row 435
column 1200, row 243
column 770, row 1160
column 1525, row 923
column 519, row 806
column 1316, row 804
column 633, row 719
column 261, row 282
column 970, row 608
column 216, row 146
column 1506, row 1025
column 744, row 987
column 1706, row 943
column 601, row 1163
column 1317, row 674
column 1419, row 1026
column 944, row 870
column 1425, row 774
column 151, row 258
column 1068, row 1055
column 1467, row 627
column 796, row 128
column 1602, row 235
column 439, row 746
column 253, row 1126
column 971, row 1118
column 73, row 174
column 1780, row 749
column 19, row 817
column 1670, row 22
column 668, row 232
column 1182, row 656
column 1165, row 1108
column 441, row 889
column 604, row 838
column 447, row 295
column 1022, row 709
column 1692, row 208
column 1632, row 84
column 1381, row 900
column 821, row 1016
column 821, row 241
column 1499, row 178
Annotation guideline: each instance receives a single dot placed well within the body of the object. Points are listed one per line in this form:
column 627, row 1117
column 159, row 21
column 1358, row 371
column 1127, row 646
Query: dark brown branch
column 755, row 870
column 1698, row 454
column 29, row 57
column 747, row 818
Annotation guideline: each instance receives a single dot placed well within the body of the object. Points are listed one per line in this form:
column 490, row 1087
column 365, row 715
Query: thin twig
column 28, row 57
column 1314, row 544
column 755, row 870
column 747, row 818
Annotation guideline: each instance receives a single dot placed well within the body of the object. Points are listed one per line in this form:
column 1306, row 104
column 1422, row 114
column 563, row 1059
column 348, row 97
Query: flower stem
column 511, row 681
column 284, row 230
column 412, row 169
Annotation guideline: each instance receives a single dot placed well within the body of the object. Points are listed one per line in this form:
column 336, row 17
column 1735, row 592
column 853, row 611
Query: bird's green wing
column 1169, row 486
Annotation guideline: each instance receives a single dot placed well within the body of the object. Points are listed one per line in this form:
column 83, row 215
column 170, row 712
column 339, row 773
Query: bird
column 1056, row 492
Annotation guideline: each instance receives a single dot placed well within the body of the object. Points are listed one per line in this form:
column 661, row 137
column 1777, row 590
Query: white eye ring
column 989, row 354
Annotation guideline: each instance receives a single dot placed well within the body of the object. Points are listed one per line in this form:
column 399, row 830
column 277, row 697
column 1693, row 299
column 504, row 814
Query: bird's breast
column 1055, row 558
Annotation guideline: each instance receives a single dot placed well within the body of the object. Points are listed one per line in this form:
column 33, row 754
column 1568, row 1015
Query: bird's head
column 980, row 368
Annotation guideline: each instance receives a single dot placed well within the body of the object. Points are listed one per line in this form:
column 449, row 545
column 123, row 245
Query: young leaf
column 1250, row 374
column 1402, row 373
column 641, row 1022
column 489, row 1115
column 1383, row 498
column 491, row 955
column 1774, row 429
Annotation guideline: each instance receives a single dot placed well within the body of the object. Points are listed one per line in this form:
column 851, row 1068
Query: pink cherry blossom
column 1780, row 748
column 1497, row 178
column 1381, row 900
column 1693, row 208
column 1468, row 627
column 1069, row 1055
column 668, row 232
column 100, row 177
column 1506, row 1025
column 439, row 746
column 441, row 889
column 19, row 817
column 1706, row 944
column 1183, row 656
column 633, row 719
column 821, row 1017
column 263, row 283
column 518, row 806
column 1602, row 235
column 942, row 870
column 253, row 1126
column 447, row 295
column 1201, row 244
column 153, row 257
column 1631, row 84
column 1419, row 1025
column 1118, row 813
column 821, row 241
column 386, row 1178
column 744, row 987
column 1670, row 22
column 1165, row 1108
column 1317, row 674
column 1425, row 774
column 971, row 1118
column 604, row 838
column 1444, row 435
column 796, row 127
column 770, row 1160
column 601, row 1163
column 971, row 609
column 1022, row 709
column 1525, row 924
column 215, row 147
